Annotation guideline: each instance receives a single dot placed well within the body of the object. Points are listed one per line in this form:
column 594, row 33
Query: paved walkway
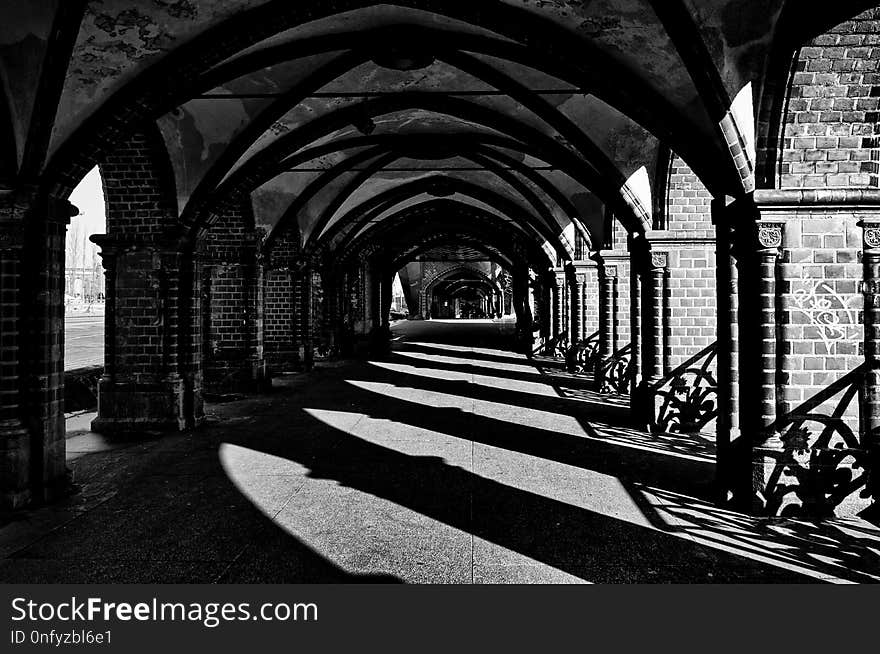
column 452, row 460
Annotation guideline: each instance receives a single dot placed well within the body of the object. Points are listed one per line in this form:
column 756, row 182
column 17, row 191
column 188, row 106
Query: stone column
column 871, row 290
column 14, row 438
column 607, row 315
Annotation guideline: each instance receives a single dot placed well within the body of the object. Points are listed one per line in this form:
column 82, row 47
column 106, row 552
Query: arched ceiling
column 333, row 117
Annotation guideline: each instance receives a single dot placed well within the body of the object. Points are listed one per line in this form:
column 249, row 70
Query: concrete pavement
column 452, row 460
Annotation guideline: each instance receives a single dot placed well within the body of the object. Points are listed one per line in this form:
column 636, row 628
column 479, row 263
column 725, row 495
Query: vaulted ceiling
column 332, row 117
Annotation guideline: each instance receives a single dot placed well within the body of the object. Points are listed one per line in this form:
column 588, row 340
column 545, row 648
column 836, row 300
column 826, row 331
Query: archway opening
column 84, row 289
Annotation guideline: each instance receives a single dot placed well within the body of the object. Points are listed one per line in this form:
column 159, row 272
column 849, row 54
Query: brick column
column 652, row 337
column 607, row 318
column 871, row 290
column 653, row 312
column 520, row 291
column 303, row 284
column 543, row 287
column 151, row 380
column 728, row 432
column 561, row 307
column 386, row 284
column 575, row 297
column 42, row 345
column 769, row 250
column 14, row 438
column 758, row 251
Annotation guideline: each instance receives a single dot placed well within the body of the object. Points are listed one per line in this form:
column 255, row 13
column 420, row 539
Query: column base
column 141, row 407
column 15, row 456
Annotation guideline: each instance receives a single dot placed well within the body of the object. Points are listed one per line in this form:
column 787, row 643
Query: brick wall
column 691, row 304
column 821, row 305
column 688, row 203
column 280, row 336
column 231, row 293
column 831, row 131
column 139, row 186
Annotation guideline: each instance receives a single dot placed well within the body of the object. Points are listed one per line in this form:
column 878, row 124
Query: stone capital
column 870, row 235
column 769, row 234
column 659, row 261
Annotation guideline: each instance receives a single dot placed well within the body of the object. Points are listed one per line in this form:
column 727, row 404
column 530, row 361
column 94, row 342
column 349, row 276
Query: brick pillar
column 32, row 430
column 871, row 290
column 653, row 312
column 303, row 284
column 14, row 439
column 561, row 305
column 385, row 285
column 575, row 317
column 607, row 318
column 520, row 291
column 42, row 345
column 150, row 381
column 652, row 285
column 769, row 250
column 759, row 246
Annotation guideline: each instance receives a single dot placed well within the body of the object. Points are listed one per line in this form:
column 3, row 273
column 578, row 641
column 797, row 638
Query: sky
column 88, row 197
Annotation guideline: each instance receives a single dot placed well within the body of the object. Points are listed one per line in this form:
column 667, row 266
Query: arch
column 797, row 26
column 441, row 184
column 259, row 168
column 458, row 144
column 177, row 74
column 440, row 276
column 139, row 185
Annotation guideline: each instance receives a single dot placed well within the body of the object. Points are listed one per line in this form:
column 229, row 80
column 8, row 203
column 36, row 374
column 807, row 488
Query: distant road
column 83, row 341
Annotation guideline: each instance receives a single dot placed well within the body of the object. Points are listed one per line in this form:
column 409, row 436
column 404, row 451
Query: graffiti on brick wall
column 827, row 310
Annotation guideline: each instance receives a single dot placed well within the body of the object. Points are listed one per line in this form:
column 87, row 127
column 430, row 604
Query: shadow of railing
column 822, row 463
column 617, row 374
column 555, row 347
column 582, row 357
column 688, row 395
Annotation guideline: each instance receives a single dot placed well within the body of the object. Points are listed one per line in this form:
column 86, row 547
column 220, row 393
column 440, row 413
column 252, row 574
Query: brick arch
column 818, row 119
column 139, row 188
column 440, row 276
